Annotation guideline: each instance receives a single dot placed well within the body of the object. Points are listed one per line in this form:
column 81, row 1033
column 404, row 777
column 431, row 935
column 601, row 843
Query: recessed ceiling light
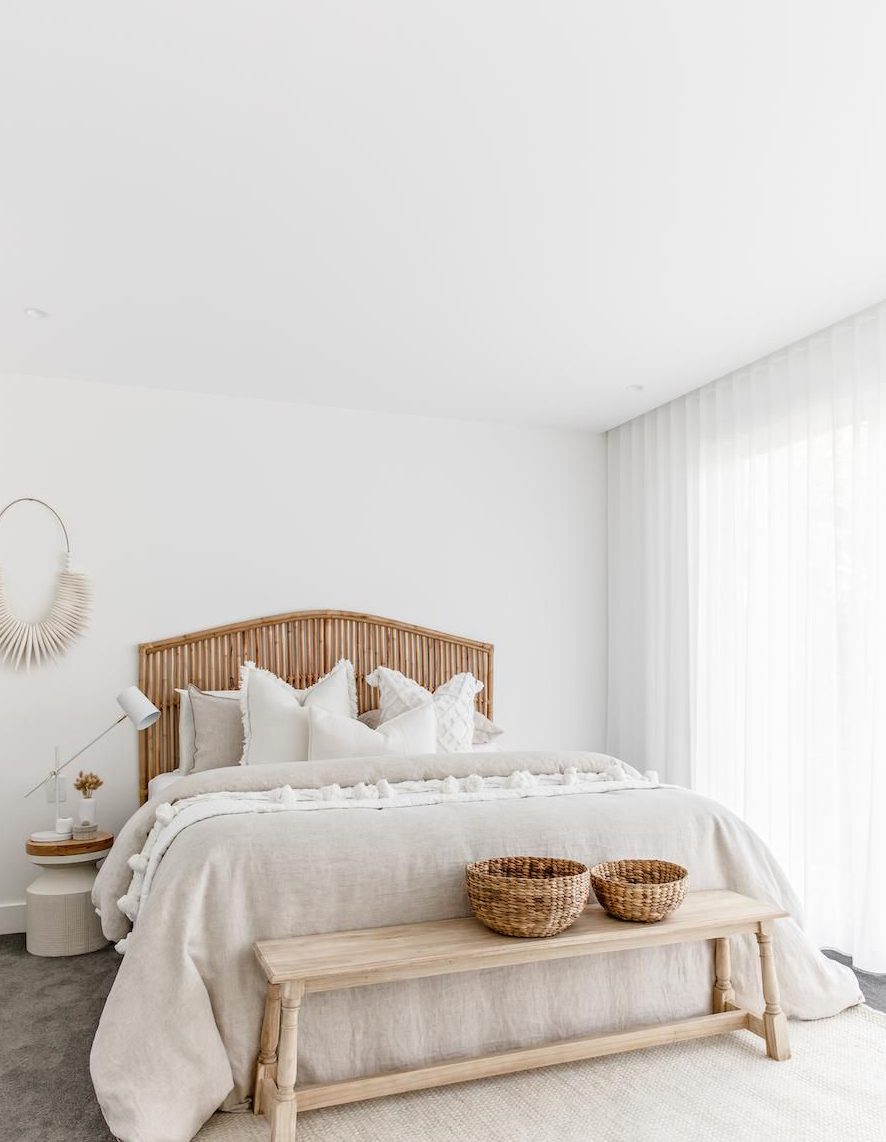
column 36, row 313
column 635, row 388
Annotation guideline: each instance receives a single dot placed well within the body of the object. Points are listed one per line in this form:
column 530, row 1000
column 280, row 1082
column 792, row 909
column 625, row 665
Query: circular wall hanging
column 22, row 643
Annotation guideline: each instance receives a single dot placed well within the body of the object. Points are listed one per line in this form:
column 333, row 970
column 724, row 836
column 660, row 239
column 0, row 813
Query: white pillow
column 187, row 734
column 484, row 729
column 453, row 704
column 331, row 736
column 276, row 716
column 335, row 691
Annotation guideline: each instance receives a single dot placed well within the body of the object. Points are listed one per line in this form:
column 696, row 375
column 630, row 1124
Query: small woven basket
column 644, row 891
column 528, row 896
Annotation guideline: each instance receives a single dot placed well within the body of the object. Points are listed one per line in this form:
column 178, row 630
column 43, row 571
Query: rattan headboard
column 300, row 647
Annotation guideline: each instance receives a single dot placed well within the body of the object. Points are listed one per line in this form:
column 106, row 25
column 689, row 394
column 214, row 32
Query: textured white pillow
column 276, row 716
column 331, row 736
column 453, row 704
column 187, row 734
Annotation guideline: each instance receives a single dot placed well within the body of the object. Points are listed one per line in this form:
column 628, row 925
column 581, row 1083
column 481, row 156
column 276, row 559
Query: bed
column 256, row 852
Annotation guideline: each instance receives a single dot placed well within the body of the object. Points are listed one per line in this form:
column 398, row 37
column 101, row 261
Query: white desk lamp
column 140, row 710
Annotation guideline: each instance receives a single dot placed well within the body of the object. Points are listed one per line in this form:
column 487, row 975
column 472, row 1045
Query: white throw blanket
column 170, row 819
column 180, row 1030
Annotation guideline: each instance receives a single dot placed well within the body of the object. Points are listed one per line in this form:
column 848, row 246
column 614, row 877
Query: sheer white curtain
column 747, row 587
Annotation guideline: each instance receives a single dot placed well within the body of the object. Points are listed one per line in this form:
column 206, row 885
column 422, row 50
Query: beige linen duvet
column 179, row 1034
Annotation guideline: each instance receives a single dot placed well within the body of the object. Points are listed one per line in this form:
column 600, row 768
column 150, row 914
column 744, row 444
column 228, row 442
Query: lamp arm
column 55, row 772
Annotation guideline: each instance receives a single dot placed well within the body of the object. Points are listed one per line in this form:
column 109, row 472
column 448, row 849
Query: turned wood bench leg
column 266, row 1067
column 283, row 1108
column 775, row 1024
column 724, row 995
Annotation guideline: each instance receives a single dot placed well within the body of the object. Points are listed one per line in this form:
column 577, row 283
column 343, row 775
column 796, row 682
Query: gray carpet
column 50, row 1008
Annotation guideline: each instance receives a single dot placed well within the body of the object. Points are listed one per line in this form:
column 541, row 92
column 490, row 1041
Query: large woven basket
column 641, row 890
column 527, row 896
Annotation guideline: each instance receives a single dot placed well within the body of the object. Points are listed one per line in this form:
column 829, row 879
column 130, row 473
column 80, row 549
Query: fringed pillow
column 218, row 730
column 276, row 716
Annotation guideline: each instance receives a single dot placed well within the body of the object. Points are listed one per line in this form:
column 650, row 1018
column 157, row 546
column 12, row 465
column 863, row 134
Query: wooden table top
column 331, row 960
column 97, row 844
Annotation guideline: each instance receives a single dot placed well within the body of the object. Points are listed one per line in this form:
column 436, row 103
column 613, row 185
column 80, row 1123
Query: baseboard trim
column 12, row 919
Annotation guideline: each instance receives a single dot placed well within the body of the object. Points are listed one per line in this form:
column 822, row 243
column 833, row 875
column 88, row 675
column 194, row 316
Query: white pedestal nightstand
column 61, row 917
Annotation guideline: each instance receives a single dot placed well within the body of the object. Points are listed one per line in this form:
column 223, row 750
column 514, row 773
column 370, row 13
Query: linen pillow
column 453, row 704
column 218, row 730
column 276, row 716
column 331, row 736
column 186, row 741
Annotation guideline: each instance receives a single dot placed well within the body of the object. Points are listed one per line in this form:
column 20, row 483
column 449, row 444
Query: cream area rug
column 724, row 1089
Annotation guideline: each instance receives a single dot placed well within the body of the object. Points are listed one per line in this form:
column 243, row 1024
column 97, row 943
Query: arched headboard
column 300, row 647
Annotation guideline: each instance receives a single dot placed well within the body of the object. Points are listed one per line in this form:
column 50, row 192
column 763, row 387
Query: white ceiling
column 503, row 209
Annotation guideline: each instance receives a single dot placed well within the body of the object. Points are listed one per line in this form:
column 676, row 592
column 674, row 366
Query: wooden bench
column 328, row 961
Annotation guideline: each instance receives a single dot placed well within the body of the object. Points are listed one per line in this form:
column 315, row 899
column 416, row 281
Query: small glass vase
column 86, row 811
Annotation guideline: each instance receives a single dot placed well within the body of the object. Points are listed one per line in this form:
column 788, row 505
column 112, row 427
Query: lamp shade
column 140, row 710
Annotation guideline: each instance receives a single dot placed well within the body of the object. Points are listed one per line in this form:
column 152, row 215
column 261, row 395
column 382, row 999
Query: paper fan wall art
column 23, row 643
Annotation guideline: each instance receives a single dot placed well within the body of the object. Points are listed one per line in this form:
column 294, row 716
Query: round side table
column 61, row 917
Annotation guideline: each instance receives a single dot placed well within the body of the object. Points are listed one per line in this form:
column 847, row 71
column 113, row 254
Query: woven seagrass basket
column 527, row 896
column 644, row 891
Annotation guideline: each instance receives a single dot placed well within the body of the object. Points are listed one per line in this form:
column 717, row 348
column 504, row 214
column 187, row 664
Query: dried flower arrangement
column 87, row 783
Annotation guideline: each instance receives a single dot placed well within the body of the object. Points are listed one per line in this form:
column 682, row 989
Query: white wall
column 190, row 510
